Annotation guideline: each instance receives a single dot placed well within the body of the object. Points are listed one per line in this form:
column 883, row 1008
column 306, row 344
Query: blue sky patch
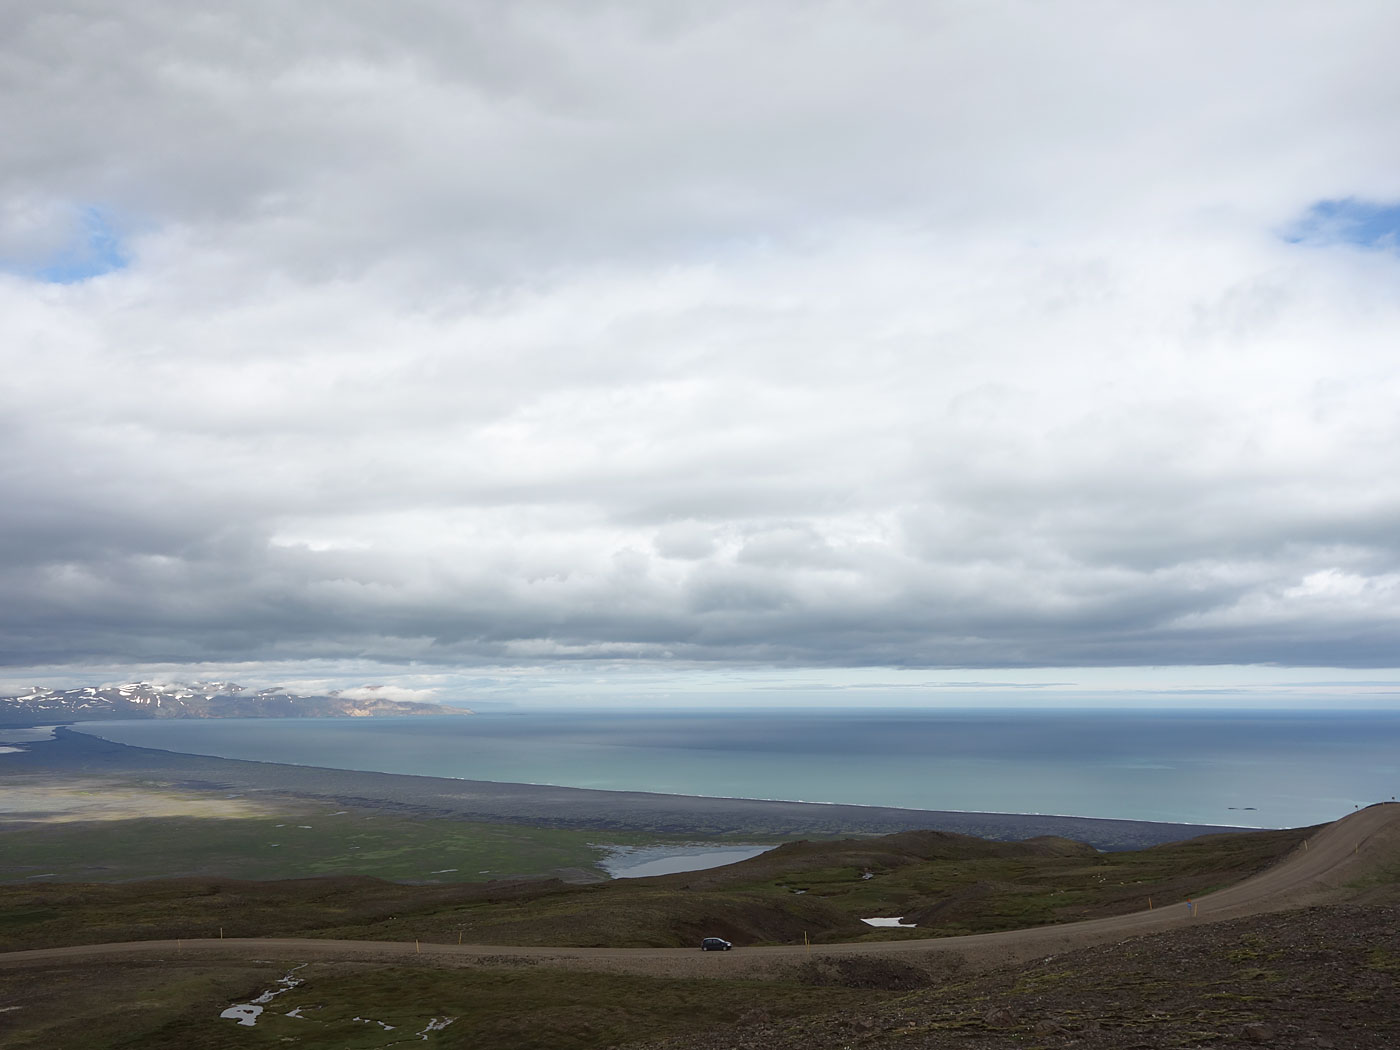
column 97, row 249
column 1367, row 224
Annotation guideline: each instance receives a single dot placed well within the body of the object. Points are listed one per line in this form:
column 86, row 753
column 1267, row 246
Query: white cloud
column 875, row 334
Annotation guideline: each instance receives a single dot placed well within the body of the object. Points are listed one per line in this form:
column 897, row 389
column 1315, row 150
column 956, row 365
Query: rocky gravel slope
column 1320, row 977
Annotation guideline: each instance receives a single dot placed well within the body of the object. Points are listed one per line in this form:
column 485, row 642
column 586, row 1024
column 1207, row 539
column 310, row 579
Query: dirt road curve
column 1315, row 872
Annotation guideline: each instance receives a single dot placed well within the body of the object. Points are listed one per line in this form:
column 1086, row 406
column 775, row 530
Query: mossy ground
column 817, row 891
column 298, row 840
column 1323, row 977
column 156, row 1006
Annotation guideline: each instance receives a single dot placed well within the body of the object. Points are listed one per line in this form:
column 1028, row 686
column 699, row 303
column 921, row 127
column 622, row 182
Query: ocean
column 1245, row 768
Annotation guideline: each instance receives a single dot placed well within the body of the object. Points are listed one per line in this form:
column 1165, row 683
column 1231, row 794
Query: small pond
column 638, row 862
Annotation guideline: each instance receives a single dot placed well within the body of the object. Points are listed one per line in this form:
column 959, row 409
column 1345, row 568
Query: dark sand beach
column 75, row 755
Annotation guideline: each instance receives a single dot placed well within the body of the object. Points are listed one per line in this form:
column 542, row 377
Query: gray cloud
column 865, row 335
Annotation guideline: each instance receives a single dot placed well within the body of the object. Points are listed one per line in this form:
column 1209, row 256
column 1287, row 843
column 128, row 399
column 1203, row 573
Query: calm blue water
column 641, row 862
column 1259, row 769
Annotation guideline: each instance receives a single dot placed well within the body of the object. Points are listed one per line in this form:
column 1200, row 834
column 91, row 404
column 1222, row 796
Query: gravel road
column 1316, row 872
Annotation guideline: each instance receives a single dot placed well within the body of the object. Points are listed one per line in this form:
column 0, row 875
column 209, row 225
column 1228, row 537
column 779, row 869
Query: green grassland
column 949, row 884
column 345, row 1006
column 952, row 884
column 1318, row 977
column 297, row 841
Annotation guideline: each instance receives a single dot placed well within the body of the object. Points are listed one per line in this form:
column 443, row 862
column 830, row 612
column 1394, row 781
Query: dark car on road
column 715, row 944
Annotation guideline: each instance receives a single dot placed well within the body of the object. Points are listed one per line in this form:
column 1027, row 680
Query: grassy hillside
column 950, row 884
column 1320, row 978
column 293, row 839
column 154, row 1006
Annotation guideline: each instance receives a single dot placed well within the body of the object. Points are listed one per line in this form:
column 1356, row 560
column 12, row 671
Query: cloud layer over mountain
column 902, row 334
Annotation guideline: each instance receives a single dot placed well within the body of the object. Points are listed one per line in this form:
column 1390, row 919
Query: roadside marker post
column 806, row 942
column 416, row 946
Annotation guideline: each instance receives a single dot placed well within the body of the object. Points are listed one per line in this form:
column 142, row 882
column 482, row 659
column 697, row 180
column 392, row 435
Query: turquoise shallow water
column 1258, row 769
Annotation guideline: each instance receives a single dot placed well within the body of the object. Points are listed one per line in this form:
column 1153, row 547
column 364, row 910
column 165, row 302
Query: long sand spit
column 73, row 755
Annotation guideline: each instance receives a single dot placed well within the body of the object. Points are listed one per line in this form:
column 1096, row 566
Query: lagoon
column 640, row 862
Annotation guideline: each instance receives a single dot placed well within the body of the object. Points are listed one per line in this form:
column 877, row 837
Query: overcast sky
column 437, row 339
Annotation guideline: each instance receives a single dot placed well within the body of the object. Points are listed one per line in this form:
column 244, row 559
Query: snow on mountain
column 199, row 700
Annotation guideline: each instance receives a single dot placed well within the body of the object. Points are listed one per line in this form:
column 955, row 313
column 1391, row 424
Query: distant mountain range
column 199, row 700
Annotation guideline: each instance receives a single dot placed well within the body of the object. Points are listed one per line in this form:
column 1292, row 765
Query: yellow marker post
column 459, row 936
column 806, row 942
column 1149, row 903
column 416, row 948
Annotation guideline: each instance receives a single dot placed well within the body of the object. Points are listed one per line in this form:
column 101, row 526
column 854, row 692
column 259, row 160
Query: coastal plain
column 430, row 956
column 73, row 755
column 78, row 808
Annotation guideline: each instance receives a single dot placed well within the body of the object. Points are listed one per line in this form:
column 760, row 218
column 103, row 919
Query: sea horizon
column 1224, row 768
